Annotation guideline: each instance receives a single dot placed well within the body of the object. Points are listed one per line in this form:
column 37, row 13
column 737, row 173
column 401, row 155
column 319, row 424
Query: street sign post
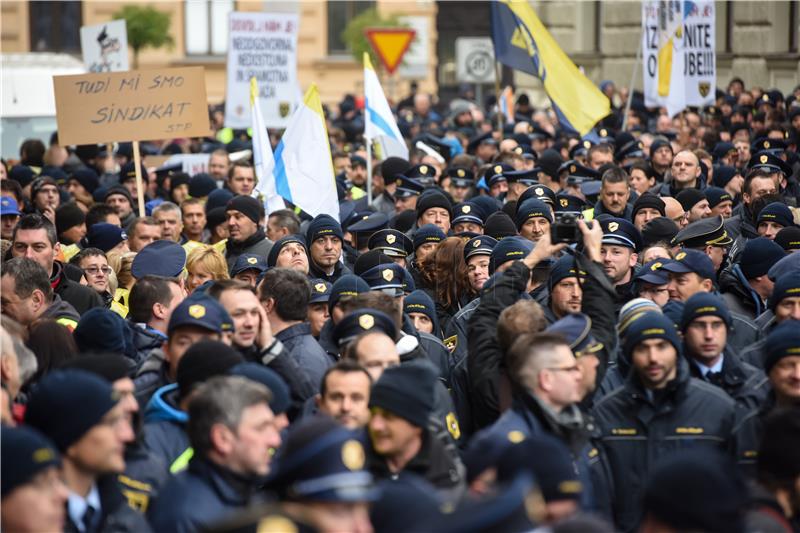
column 474, row 60
column 390, row 44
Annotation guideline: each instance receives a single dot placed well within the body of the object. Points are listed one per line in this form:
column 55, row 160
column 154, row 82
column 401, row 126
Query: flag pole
column 497, row 71
column 369, row 171
column 633, row 80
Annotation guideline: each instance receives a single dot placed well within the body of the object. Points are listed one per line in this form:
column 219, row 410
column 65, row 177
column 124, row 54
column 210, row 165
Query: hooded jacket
column 165, row 426
column 738, row 294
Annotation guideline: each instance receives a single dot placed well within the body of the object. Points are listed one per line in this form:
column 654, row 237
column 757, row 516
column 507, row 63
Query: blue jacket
column 198, row 498
column 165, row 426
column 305, row 349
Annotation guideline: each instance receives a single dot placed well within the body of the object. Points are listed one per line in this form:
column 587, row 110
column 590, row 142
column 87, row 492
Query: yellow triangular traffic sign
column 390, row 44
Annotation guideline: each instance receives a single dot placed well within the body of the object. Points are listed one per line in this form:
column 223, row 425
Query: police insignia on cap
column 498, row 169
column 466, row 209
column 276, row 524
column 516, row 436
column 460, row 173
column 452, row 425
column 476, row 243
column 366, row 321
column 613, row 226
column 564, row 202
column 197, row 311
column 539, row 191
column 680, row 256
column 42, row 455
column 604, row 132
column 766, row 144
column 353, row 455
column 573, row 168
column 387, row 274
column 423, row 169
column 451, row 343
column 656, row 266
column 390, row 239
column 765, row 97
column 763, row 159
column 252, row 260
column 518, row 150
column 587, row 144
column 319, row 287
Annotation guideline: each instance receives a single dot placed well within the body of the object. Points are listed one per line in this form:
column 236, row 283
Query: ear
column 707, row 284
column 222, row 439
column 5, row 371
column 269, row 305
column 37, row 297
column 57, row 248
column 633, row 260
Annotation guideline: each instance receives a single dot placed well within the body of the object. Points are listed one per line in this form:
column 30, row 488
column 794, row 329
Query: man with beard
column 621, row 243
column 324, row 237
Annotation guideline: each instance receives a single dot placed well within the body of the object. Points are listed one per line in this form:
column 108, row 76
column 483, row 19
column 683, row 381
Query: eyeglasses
column 94, row 271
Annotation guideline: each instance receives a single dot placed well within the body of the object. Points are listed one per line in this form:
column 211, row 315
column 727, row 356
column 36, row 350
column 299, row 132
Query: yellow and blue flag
column 523, row 43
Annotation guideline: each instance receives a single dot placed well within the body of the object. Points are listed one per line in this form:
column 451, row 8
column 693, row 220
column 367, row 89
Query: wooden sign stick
column 137, row 161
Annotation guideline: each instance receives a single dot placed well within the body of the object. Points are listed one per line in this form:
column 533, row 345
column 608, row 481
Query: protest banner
column 262, row 46
column 678, row 39
column 105, row 46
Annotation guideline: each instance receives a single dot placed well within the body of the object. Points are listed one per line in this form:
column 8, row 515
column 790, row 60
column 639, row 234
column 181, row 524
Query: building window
column 55, row 26
column 206, row 27
column 339, row 14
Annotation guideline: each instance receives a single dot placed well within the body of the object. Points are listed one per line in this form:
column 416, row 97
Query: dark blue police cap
column 525, row 177
column 360, row 321
column 249, row 262
column 566, row 203
column 407, row 187
column 768, row 162
column 467, row 212
column 159, row 258
column 509, row 249
column 480, row 245
column 424, row 174
column 688, row 260
column 497, row 173
column 387, row 277
column 371, row 221
column 620, row 232
column 652, row 273
column 428, row 233
column 461, row 177
column 320, row 291
column 539, row 192
column 202, row 312
column 322, row 461
column 576, row 329
column 577, row 173
column 347, row 285
column 391, row 242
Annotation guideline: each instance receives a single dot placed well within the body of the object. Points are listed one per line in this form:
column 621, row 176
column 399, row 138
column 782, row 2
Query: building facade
column 755, row 40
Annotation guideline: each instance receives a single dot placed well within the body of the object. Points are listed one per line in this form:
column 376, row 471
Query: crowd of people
column 514, row 328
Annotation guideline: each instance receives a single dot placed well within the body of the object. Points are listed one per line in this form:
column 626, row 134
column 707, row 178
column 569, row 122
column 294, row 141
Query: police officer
column 707, row 235
column 393, row 243
column 659, row 410
column 705, row 324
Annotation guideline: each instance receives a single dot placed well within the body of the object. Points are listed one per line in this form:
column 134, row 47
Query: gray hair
column 167, row 206
column 28, row 276
column 221, row 400
column 13, row 346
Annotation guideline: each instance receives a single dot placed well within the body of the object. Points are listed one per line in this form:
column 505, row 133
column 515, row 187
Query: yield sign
column 390, row 44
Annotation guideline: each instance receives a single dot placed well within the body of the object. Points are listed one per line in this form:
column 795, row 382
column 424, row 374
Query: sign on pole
column 390, row 44
column 679, row 60
column 131, row 106
column 416, row 60
column 262, row 46
column 474, row 60
column 105, row 47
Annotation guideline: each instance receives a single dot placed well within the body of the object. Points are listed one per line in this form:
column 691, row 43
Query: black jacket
column 199, row 497
column 743, row 382
column 441, row 469
column 738, row 294
column 636, row 428
column 339, row 270
column 82, row 298
column 145, row 340
column 117, row 516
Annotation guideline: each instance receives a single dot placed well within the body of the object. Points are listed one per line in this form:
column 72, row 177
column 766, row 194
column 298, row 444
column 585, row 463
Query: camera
column 565, row 229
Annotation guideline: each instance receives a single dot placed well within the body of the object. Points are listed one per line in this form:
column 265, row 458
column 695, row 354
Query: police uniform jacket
column 636, row 428
column 743, row 382
column 738, row 294
column 199, row 497
column 306, row 351
column 339, row 270
column 256, row 244
column 116, row 515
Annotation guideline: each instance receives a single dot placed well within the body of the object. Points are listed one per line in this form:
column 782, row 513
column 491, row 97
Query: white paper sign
column 263, row 45
column 679, row 54
column 105, row 47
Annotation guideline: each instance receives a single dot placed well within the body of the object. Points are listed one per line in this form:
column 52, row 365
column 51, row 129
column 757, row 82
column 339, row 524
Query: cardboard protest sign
column 131, row 106
column 105, row 46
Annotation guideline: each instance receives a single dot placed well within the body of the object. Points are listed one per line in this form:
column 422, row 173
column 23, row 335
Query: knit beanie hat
column 119, row 189
column 419, row 302
column 201, row 185
column 509, row 249
column 716, row 196
column 428, row 233
column 247, row 205
column 632, row 310
column 651, row 325
column 272, row 258
column 323, row 225
column 648, row 200
column 778, row 213
column 499, row 225
column 100, row 330
column 218, row 198
column 433, row 199
column 68, row 403
column 25, row 453
column 659, row 229
column 104, row 236
column 689, row 197
column 204, row 360
column 704, row 304
column 789, row 238
column 786, row 286
column 723, row 174
column 758, row 256
column 407, row 390
column 68, row 216
column 87, row 178
column 782, row 341
column 108, row 366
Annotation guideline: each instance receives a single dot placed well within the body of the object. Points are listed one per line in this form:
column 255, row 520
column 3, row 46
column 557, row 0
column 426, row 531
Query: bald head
column 674, row 210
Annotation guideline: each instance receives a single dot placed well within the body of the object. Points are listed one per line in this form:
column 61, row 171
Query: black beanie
column 407, row 391
column 404, row 220
column 649, row 200
column 247, row 205
column 393, row 166
column 68, row 216
column 429, row 200
column 689, row 197
column 660, row 229
column 109, row 366
column 204, row 360
column 780, row 440
column 499, row 225
column 201, row 185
